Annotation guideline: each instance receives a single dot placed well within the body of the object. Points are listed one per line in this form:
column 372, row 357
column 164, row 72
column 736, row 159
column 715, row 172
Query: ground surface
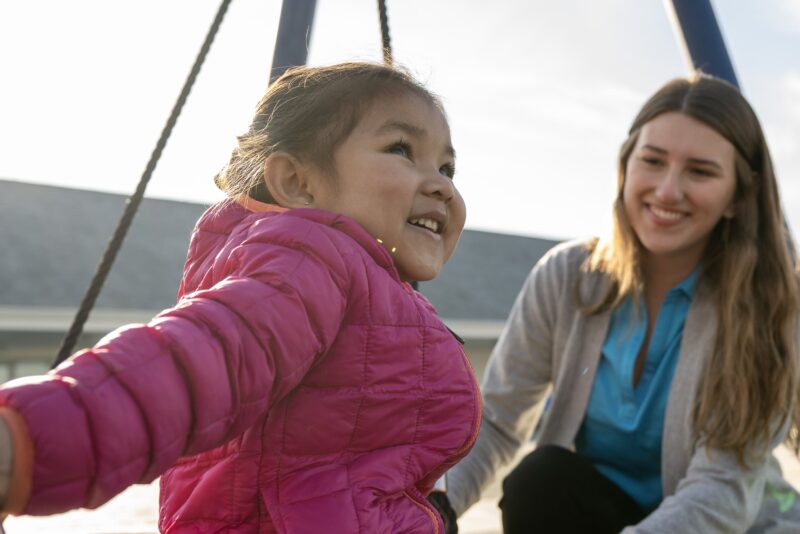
column 136, row 510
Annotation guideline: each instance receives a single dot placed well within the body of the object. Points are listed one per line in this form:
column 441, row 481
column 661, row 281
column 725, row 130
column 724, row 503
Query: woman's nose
column 670, row 186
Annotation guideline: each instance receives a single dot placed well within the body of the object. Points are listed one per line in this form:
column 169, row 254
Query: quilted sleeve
column 194, row 377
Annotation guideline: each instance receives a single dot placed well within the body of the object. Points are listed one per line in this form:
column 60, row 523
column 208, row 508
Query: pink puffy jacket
column 325, row 392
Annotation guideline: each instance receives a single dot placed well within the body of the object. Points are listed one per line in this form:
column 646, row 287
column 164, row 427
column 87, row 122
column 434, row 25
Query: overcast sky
column 539, row 93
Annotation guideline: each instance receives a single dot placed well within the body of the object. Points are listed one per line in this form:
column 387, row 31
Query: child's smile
column 394, row 175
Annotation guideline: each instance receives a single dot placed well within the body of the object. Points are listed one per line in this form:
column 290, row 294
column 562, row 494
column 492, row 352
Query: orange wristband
column 21, row 480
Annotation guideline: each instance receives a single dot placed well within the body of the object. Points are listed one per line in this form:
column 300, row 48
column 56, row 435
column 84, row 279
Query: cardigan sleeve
column 717, row 495
column 191, row 379
column 517, row 378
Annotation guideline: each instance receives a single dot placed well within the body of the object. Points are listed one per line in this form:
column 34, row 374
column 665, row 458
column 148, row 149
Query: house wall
column 32, row 353
column 26, row 353
column 31, row 336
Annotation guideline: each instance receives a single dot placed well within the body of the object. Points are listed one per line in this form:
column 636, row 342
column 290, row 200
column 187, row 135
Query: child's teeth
column 430, row 224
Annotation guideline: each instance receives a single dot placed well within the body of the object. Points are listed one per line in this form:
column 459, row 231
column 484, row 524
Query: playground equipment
column 694, row 21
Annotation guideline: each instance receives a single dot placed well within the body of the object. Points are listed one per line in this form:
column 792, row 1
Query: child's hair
column 307, row 113
column 751, row 379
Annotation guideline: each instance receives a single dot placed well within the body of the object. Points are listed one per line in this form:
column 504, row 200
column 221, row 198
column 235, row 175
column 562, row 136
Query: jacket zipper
column 476, row 427
column 428, row 511
column 469, row 443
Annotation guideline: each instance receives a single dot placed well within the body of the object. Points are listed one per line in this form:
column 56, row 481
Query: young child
column 300, row 384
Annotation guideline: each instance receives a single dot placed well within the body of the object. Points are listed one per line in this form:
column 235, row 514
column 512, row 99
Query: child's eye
column 400, row 148
column 448, row 169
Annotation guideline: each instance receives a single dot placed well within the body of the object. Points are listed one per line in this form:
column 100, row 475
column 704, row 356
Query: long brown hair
column 308, row 112
column 749, row 387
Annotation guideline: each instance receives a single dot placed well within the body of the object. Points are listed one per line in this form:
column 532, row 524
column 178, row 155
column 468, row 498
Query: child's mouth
column 428, row 223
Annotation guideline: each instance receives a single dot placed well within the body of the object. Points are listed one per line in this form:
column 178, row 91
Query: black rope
column 387, row 44
column 387, row 57
column 132, row 204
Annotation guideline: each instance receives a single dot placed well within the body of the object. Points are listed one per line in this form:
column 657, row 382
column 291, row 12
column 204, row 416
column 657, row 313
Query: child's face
column 394, row 177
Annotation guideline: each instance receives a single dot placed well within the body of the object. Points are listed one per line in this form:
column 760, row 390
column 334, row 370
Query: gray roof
column 482, row 279
column 52, row 238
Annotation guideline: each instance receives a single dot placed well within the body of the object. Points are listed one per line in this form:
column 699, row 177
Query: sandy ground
column 135, row 511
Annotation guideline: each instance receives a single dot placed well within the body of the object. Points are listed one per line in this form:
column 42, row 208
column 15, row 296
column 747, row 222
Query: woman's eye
column 651, row 161
column 701, row 172
column 448, row 169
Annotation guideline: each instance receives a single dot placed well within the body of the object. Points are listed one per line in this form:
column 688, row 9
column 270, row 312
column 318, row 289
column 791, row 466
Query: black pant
column 553, row 490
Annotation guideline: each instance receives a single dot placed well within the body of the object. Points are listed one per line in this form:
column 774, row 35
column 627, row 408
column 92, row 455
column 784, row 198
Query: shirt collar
column 688, row 285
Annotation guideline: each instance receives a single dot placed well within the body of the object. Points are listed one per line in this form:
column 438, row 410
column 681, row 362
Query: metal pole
column 696, row 24
column 702, row 40
column 294, row 31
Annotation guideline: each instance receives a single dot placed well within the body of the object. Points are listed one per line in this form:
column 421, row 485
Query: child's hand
column 440, row 501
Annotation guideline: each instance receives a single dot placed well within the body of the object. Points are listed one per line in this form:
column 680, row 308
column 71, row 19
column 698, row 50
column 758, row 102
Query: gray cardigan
column 549, row 345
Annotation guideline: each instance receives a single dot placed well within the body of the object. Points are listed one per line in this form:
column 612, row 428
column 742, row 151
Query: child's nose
column 439, row 185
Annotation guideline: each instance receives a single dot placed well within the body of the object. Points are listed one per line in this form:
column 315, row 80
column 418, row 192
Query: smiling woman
column 680, row 181
column 671, row 348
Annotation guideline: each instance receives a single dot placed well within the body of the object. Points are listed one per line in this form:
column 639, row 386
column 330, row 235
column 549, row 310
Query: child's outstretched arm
column 191, row 379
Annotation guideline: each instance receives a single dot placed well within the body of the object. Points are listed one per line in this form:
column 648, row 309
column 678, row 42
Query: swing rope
column 387, row 59
column 133, row 202
column 387, row 44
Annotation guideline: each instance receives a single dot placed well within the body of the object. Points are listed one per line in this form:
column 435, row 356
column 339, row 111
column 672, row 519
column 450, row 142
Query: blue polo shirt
column 621, row 432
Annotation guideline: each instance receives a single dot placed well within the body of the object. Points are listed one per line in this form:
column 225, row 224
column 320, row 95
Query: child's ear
column 287, row 180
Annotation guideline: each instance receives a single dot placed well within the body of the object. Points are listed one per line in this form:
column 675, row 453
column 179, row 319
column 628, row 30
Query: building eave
column 476, row 330
column 43, row 319
column 102, row 320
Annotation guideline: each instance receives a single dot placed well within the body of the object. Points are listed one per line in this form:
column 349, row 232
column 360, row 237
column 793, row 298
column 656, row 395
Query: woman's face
column 680, row 180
